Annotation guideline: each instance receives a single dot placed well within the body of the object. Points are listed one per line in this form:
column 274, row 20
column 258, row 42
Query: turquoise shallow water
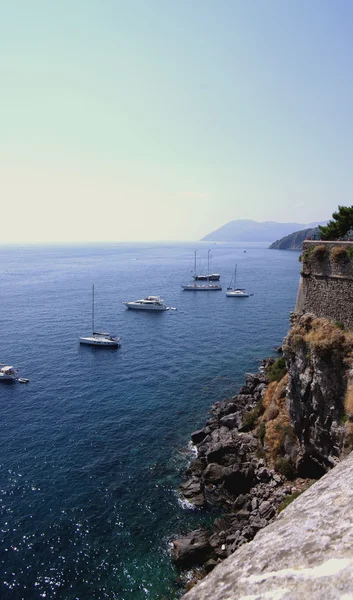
column 92, row 449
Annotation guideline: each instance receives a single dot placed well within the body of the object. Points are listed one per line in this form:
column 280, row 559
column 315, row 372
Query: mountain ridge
column 247, row 230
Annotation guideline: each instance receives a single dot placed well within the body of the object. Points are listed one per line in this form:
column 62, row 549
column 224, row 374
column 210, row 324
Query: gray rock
column 192, row 549
column 266, row 510
column 198, row 436
column 254, row 503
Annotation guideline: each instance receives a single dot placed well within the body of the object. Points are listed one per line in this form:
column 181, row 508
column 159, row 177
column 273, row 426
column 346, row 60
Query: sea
column 94, row 447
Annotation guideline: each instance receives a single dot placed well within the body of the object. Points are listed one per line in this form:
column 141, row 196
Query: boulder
column 192, row 549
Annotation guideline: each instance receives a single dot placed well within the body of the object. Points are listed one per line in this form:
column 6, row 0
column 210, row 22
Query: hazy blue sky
column 161, row 119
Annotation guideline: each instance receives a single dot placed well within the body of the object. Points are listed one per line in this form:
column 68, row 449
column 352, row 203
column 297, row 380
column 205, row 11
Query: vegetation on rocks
column 277, row 370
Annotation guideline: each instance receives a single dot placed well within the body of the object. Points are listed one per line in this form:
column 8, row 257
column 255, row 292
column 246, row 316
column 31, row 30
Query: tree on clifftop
column 338, row 227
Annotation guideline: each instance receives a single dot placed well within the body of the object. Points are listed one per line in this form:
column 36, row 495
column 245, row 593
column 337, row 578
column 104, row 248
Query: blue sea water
column 93, row 448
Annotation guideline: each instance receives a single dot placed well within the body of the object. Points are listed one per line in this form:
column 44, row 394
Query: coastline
column 231, row 471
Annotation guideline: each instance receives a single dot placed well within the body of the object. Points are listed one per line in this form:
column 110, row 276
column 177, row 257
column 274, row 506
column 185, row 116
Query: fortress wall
column 326, row 285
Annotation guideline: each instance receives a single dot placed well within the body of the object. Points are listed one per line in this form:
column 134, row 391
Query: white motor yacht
column 8, row 373
column 148, row 303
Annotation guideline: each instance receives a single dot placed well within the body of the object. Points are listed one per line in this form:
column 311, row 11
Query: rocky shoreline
column 288, row 425
column 231, row 472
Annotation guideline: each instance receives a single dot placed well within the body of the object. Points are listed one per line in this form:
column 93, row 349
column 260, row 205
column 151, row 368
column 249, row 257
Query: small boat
column 8, row 373
column 22, row 380
column 148, row 303
column 206, row 287
column 232, row 291
column 99, row 338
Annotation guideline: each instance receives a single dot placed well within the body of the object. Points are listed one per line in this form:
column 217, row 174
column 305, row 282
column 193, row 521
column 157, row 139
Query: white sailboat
column 99, row 338
column 232, row 291
column 202, row 287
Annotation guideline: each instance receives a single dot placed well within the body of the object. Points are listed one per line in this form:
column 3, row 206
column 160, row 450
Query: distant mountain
column 295, row 240
column 243, row 230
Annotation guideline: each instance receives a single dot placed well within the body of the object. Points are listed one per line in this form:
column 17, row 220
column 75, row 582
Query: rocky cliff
column 306, row 552
column 294, row 241
column 289, row 425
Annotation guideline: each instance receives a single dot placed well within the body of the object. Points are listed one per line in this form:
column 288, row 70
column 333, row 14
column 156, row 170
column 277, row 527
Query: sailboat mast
column 195, row 265
column 92, row 308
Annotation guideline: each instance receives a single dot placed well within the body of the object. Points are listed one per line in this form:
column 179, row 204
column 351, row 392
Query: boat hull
column 90, row 341
column 235, row 295
column 201, row 288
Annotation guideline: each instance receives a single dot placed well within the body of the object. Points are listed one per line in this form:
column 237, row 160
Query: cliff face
column 319, row 360
column 293, row 241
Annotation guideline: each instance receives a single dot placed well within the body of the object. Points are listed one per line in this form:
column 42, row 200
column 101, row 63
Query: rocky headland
column 288, row 425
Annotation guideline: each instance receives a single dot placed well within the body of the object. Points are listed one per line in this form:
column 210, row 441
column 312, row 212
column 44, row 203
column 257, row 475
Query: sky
column 165, row 119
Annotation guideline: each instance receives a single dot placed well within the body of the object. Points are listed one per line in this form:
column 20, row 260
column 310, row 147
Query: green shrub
column 319, row 252
column 291, row 497
column 350, row 252
column 262, row 432
column 288, row 500
column 300, row 257
column 277, row 370
column 339, row 325
column 286, row 467
column 339, row 254
column 260, row 452
column 250, row 418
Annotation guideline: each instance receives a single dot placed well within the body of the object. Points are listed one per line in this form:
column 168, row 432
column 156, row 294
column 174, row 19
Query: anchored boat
column 99, row 338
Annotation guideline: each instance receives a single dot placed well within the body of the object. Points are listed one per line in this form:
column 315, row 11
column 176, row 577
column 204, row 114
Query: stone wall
column 326, row 284
column 307, row 552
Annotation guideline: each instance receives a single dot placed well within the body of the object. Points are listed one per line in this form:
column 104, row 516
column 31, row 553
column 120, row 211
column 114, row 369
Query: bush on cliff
column 319, row 252
column 348, row 400
column 250, row 418
column 339, row 254
column 277, row 370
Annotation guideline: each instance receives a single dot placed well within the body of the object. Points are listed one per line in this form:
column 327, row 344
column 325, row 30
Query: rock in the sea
column 192, row 490
column 192, row 549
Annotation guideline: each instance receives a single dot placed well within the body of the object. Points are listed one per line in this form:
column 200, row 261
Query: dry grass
column 339, row 254
column 321, row 335
column 348, row 400
column 349, row 434
column 320, row 252
column 276, row 418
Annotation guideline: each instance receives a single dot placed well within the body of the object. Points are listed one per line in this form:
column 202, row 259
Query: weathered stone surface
column 326, row 286
column 307, row 552
column 317, row 382
column 192, row 490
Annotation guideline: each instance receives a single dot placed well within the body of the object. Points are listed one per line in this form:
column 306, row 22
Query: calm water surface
column 92, row 449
